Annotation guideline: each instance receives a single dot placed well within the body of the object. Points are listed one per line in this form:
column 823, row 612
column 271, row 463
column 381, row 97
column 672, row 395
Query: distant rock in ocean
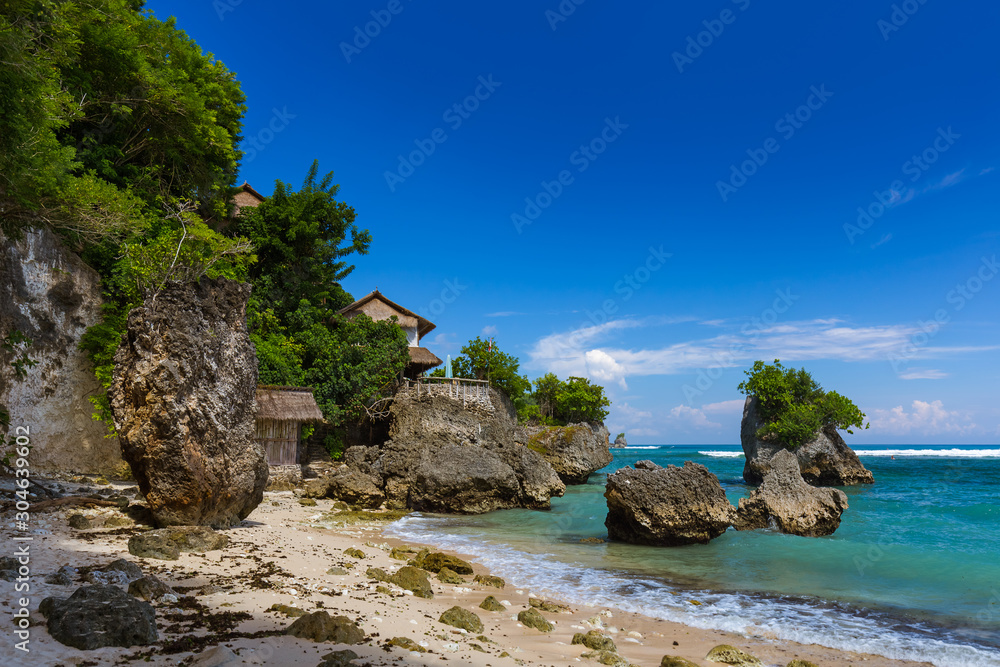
column 794, row 506
column 574, row 451
column 620, row 441
column 666, row 506
column 443, row 456
column 183, row 398
column 825, row 460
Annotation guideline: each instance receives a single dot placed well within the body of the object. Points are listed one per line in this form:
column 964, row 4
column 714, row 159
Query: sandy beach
column 284, row 554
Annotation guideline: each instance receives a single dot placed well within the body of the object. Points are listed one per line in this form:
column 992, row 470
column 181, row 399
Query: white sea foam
column 643, row 447
column 722, row 455
column 733, row 612
column 954, row 453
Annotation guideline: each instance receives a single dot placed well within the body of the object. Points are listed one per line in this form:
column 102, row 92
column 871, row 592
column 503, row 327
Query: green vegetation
column 553, row 401
column 794, row 407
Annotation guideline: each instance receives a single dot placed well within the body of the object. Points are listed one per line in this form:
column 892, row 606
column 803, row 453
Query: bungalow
column 246, row 197
column 377, row 307
column 281, row 413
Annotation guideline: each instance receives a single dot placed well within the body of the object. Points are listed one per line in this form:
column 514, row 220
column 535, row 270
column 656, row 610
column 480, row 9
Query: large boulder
column 447, row 457
column 183, row 398
column 97, row 616
column 666, row 506
column 826, row 460
column 793, row 506
column 350, row 485
column 620, row 441
column 574, row 451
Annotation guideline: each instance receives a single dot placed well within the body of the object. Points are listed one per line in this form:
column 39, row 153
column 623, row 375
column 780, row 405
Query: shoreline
column 278, row 540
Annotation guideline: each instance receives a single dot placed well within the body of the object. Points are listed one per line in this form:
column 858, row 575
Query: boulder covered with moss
column 574, row 451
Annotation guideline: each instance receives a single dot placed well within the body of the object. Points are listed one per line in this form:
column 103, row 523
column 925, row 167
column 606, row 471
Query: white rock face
column 50, row 295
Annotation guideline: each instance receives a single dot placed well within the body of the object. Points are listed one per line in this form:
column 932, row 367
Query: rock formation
column 826, row 460
column 666, row 506
column 574, row 451
column 97, row 616
column 620, row 441
column 794, row 506
column 183, row 398
column 51, row 296
column 446, row 457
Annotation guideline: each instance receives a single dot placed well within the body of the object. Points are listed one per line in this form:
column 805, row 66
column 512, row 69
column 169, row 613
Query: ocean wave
column 953, row 453
column 722, row 455
column 643, row 447
column 803, row 621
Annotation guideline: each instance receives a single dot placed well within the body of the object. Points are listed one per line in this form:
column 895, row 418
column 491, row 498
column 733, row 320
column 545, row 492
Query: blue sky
column 653, row 196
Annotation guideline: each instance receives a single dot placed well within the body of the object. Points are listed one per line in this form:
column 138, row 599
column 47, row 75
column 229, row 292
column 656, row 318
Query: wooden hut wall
column 280, row 439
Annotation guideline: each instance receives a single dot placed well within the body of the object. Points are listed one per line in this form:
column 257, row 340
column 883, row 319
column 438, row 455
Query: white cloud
column 924, row 374
column 624, row 411
column 923, row 419
column 643, row 432
column 504, row 313
column 489, row 330
column 686, row 416
column 733, row 407
column 581, row 353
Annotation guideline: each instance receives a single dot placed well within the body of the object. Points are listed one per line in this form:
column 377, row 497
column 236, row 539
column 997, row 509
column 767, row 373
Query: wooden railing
column 460, row 389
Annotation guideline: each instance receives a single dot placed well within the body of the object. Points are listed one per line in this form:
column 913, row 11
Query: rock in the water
column 826, row 460
column 530, row 618
column 730, row 655
column 676, row 661
column 319, row 626
column 447, row 457
column 462, row 618
column 620, row 441
column 575, row 451
column 666, row 506
column 595, row 640
column 183, row 398
column 794, row 506
column 96, row 616
column 149, row 588
column 434, row 562
column 168, row 543
column 491, row 604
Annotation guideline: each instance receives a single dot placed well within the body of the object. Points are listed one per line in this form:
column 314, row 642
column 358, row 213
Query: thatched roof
column 421, row 356
column 424, row 325
column 287, row 404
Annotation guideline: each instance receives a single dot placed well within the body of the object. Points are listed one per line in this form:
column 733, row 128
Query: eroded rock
column 464, row 619
column 97, row 616
column 574, row 451
column 319, row 626
column 183, row 398
column 666, row 506
column 730, row 655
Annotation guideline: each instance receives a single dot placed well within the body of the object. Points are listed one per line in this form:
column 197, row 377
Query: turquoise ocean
column 913, row 572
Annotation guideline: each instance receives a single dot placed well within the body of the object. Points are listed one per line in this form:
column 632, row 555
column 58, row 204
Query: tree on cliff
column 482, row 359
column 794, row 407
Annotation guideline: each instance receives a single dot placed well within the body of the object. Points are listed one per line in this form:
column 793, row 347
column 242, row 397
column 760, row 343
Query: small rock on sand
column 730, row 655
column 491, row 604
column 530, row 618
column 319, row 626
column 462, row 618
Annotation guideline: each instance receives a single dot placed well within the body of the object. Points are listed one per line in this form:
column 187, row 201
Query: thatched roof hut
column 281, row 412
column 376, row 306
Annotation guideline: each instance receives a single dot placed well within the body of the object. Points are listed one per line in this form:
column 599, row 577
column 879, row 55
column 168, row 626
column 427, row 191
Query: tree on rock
column 794, row 407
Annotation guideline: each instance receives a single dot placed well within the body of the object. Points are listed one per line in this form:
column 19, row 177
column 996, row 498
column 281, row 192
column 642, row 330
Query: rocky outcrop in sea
column 620, row 441
column 825, row 460
column 666, row 506
column 574, row 451
column 787, row 502
column 183, row 398
column 443, row 456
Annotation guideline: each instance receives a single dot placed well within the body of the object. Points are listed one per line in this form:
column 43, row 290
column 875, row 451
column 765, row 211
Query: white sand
column 280, row 531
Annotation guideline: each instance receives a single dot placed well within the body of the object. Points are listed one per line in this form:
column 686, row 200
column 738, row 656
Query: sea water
column 913, row 572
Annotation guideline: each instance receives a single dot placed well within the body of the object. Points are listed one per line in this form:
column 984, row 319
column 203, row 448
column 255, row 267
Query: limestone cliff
column 50, row 295
column 575, row 451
